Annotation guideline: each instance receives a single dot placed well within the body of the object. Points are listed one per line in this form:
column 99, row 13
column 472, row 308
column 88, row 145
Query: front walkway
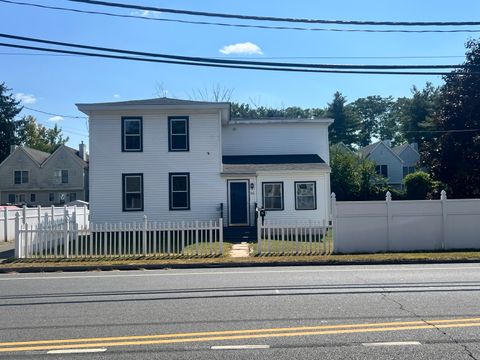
column 240, row 250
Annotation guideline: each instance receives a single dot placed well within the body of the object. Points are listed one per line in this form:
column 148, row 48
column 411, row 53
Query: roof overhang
column 223, row 108
column 326, row 121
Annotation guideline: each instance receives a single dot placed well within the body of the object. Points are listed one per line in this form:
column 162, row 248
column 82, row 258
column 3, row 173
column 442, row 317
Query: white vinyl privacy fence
column 405, row 225
column 38, row 215
column 309, row 237
column 67, row 239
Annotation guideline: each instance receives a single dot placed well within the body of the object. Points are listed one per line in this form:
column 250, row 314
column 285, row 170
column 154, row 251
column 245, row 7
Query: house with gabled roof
column 388, row 163
column 182, row 160
column 410, row 156
column 32, row 177
column 394, row 163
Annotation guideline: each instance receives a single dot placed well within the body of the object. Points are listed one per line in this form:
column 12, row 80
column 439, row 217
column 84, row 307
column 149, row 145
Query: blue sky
column 55, row 83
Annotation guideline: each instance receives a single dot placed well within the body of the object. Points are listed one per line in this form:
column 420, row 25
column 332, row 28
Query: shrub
column 418, row 185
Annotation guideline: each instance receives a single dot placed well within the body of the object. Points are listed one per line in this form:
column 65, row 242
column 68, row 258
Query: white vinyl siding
column 203, row 162
column 276, row 139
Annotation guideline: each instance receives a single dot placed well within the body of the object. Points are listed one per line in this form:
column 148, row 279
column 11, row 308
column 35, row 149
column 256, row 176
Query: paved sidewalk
column 7, row 250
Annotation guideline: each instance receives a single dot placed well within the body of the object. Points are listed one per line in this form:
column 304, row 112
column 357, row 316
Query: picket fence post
column 18, row 248
column 333, row 205
column 259, row 236
column 144, row 235
column 65, row 232
column 220, row 234
column 388, row 201
column 5, row 227
column 443, row 199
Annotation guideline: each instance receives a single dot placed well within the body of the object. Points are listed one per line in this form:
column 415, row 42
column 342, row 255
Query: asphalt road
column 341, row 312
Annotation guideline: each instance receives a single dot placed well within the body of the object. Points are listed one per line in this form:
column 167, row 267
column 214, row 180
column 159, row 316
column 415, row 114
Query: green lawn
column 291, row 247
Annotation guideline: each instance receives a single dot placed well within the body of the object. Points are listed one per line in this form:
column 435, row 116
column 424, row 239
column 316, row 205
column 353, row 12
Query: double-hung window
column 305, row 195
column 20, row 177
column 132, row 134
column 132, row 192
column 178, row 133
column 382, row 170
column 272, row 195
column 61, row 176
column 11, row 198
column 179, row 184
column 408, row 170
column 33, row 198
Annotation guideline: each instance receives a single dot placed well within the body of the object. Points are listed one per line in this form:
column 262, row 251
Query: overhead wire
column 190, row 60
column 275, row 19
column 266, row 27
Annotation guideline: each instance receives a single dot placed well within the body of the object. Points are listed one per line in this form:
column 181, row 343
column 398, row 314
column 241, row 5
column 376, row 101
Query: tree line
column 443, row 120
column 24, row 130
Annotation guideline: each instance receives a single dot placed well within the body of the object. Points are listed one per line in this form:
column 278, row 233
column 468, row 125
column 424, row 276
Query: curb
column 83, row 268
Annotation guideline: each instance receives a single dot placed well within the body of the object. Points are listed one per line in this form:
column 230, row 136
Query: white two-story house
column 180, row 160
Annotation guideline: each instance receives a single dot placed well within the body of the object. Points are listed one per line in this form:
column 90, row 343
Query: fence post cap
column 443, row 195
column 388, row 196
column 333, row 196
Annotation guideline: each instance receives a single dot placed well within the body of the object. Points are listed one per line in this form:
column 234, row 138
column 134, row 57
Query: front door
column 238, row 202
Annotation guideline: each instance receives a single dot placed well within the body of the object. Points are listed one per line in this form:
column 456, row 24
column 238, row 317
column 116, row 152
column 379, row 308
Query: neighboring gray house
column 393, row 163
column 32, row 177
column 410, row 156
column 388, row 163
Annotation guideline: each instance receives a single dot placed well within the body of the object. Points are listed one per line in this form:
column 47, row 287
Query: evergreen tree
column 454, row 155
column 9, row 108
column 346, row 121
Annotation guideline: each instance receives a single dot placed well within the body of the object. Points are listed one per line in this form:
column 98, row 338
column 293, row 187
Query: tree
column 354, row 178
column 453, row 154
column 375, row 120
column 416, row 114
column 346, row 123
column 9, row 108
column 419, row 184
column 37, row 136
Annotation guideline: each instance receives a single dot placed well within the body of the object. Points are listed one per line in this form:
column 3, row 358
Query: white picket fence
column 37, row 215
column 66, row 239
column 279, row 237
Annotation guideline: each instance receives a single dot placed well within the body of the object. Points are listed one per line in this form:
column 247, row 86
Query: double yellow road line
column 85, row 343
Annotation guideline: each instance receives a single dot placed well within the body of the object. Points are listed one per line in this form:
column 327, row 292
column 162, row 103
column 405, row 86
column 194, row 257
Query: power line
column 278, row 57
column 266, row 27
column 214, row 61
column 277, row 19
column 285, row 69
column 53, row 114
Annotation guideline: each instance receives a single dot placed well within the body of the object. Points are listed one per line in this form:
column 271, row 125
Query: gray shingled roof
column 76, row 153
column 254, row 168
column 272, row 159
column 398, row 149
column 366, row 150
column 37, row 155
column 159, row 101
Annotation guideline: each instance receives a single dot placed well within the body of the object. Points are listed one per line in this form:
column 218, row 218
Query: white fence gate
column 405, row 225
column 309, row 237
column 37, row 215
column 66, row 239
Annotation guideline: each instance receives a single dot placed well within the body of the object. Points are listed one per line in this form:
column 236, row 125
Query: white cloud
column 26, row 98
column 116, row 96
column 56, row 118
column 242, row 48
column 146, row 13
